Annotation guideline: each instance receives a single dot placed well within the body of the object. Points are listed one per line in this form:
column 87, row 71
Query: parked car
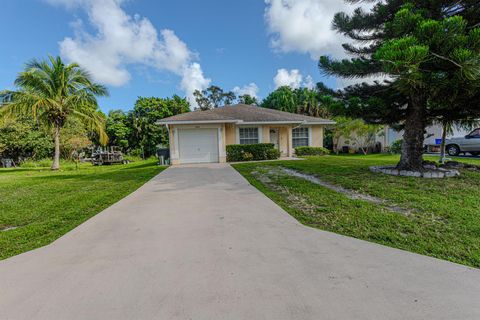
column 470, row 143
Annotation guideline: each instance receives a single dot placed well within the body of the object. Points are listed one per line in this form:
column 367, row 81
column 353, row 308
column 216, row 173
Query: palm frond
column 51, row 91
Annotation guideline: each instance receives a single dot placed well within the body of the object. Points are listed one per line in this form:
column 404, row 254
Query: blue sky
column 243, row 44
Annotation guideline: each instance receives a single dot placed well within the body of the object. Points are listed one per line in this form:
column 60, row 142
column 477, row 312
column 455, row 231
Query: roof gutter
column 302, row 122
column 241, row 122
column 160, row 122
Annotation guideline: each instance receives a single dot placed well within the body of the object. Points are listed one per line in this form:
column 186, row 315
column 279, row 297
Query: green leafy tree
column 341, row 129
column 118, row 129
column 22, row 138
column 213, row 97
column 75, row 137
column 146, row 134
column 283, row 99
column 361, row 134
column 53, row 92
column 305, row 101
column 248, row 99
column 312, row 103
column 430, row 51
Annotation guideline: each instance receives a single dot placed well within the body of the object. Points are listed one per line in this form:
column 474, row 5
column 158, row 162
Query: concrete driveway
column 198, row 242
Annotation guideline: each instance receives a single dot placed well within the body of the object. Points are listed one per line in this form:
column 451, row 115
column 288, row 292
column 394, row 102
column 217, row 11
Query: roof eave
column 305, row 122
column 195, row 121
column 290, row 122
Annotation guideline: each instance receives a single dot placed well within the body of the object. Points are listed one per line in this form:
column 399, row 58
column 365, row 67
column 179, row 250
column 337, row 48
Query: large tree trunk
column 413, row 138
column 442, row 146
column 56, row 155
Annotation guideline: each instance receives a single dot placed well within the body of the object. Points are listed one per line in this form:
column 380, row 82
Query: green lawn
column 445, row 214
column 44, row 205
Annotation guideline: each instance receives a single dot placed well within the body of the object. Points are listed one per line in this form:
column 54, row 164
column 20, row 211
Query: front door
column 274, row 137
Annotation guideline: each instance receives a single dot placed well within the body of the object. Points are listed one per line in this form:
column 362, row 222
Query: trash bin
column 163, row 155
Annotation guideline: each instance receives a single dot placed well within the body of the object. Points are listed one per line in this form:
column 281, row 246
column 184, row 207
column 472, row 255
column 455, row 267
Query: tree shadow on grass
column 123, row 174
column 18, row 170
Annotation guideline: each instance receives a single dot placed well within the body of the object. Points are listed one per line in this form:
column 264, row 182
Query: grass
column 445, row 214
column 43, row 205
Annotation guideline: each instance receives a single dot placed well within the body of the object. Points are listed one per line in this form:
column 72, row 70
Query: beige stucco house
column 202, row 136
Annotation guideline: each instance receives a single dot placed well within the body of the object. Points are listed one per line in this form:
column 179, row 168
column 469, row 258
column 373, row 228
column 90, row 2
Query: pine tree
column 430, row 52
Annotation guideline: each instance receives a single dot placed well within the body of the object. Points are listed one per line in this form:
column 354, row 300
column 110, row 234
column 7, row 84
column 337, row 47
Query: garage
column 198, row 145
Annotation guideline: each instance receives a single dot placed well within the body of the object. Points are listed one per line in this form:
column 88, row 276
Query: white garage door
column 198, row 145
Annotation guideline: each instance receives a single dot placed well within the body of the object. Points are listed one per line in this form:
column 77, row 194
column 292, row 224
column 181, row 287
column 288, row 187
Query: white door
column 198, row 145
column 274, row 138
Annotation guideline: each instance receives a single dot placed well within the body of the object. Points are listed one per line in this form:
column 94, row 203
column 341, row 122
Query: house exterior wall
column 317, row 136
column 228, row 134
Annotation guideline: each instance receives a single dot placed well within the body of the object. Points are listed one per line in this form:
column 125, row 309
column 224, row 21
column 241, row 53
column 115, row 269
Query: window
column 300, row 137
column 248, row 135
column 475, row 133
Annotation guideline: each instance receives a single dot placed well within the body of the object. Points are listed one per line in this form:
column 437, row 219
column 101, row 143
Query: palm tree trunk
column 56, row 155
column 442, row 145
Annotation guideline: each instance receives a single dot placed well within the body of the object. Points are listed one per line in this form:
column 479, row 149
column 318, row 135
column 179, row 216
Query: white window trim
column 237, row 133
column 309, row 135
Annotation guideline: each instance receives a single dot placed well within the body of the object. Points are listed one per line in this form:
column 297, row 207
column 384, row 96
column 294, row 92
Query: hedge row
column 249, row 152
column 311, row 151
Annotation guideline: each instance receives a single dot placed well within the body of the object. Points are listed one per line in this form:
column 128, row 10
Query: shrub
column 248, row 152
column 396, row 147
column 273, row 154
column 311, row 151
column 247, row 156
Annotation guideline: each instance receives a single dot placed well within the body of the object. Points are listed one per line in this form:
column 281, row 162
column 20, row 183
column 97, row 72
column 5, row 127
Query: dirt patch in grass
column 347, row 192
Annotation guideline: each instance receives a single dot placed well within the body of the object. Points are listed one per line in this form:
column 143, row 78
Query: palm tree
column 52, row 92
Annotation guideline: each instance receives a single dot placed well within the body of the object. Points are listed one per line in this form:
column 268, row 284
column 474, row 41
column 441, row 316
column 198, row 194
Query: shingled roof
column 242, row 113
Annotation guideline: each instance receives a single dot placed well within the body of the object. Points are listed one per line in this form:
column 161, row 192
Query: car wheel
column 453, row 150
column 475, row 153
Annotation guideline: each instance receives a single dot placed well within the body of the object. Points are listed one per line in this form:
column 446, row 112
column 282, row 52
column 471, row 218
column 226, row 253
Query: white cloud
column 121, row 39
column 250, row 89
column 291, row 78
column 193, row 79
column 305, row 26
column 309, row 83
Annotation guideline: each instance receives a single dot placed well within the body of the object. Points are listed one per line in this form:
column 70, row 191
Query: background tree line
column 23, row 136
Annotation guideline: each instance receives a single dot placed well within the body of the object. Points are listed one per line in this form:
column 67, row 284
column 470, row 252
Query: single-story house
column 202, row 136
